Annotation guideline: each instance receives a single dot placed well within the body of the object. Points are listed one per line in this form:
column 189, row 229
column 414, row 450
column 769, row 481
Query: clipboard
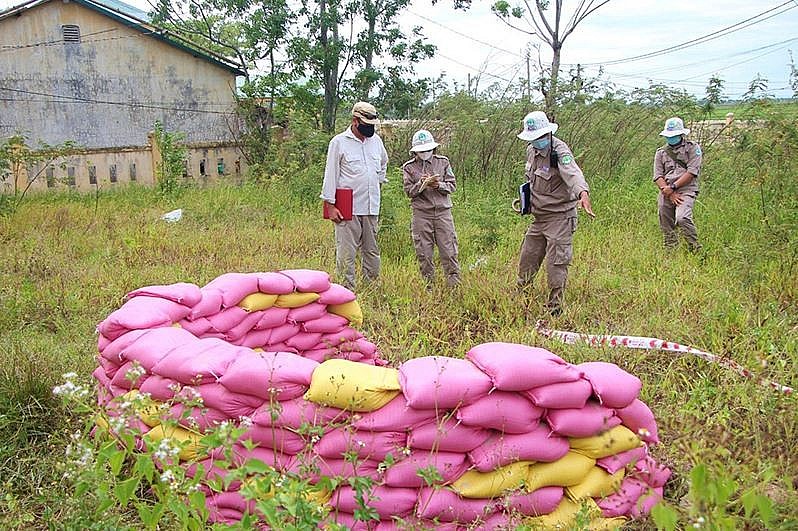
column 343, row 202
column 525, row 199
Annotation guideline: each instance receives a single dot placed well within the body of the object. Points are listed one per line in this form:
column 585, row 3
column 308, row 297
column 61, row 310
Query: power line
column 704, row 38
column 469, row 37
column 56, row 98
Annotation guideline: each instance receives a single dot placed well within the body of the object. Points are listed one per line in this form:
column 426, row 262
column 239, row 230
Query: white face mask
column 424, row 155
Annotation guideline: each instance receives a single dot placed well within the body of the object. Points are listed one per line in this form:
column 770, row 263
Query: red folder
column 343, row 202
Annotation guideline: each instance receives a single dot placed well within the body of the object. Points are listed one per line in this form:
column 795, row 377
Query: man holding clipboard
column 353, row 177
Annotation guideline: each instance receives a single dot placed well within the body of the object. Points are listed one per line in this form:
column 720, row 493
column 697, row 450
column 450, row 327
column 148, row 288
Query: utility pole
column 469, row 83
column 528, row 79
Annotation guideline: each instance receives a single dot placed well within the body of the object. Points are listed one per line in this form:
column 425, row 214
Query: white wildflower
column 246, row 422
column 166, row 449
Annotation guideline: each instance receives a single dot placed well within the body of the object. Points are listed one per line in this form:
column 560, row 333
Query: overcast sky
column 475, row 42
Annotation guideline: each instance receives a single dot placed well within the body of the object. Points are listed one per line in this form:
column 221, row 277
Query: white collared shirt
column 357, row 165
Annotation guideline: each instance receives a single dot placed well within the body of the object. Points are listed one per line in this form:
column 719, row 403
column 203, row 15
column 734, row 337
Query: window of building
column 71, row 175
column 92, row 175
column 202, row 167
column 70, row 32
column 50, row 176
column 219, row 166
column 133, row 172
column 112, row 173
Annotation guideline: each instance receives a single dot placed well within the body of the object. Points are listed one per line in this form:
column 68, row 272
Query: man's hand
column 584, row 202
column 433, row 182
column 676, row 198
column 335, row 214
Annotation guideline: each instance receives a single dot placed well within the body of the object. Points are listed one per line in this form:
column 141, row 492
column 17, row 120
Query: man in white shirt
column 356, row 159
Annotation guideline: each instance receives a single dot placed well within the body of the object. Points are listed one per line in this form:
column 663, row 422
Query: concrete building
column 99, row 74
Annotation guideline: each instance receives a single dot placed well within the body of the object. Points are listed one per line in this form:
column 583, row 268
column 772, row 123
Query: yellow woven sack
column 258, row 301
column 295, row 300
column 147, row 409
column 350, row 310
column 353, row 386
column 565, row 515
column 189, row 440
column 597, row 484
column 571, row 469
column 474, row 484
column 611, row 442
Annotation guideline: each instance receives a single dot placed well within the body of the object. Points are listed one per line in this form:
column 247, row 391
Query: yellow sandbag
column 597, row 484
column 571, row 469
column 566, row 513
column 295, row 300
column 258, row 301
column 611, row 442
column 147, row 409
column 189, row 441
column 350, row 310
column 474, row 484
column 353, row 386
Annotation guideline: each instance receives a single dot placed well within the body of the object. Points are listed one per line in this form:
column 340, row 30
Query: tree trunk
column 551, row 95
column 329, row 66
column 368, row 59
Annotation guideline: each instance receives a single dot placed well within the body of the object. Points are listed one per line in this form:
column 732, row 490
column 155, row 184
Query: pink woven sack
column 514, row 367
column 150, row 348
column 614, row 387
column 278, row 439
column 367, row 445
column 308, row 312
column 436, row 382
column 308, row 280
column 638, row 417
column 296, row 412
column 215, row 395
column 537, row 503
column 502, row 411
column 336, row 294
column 614, row 463
column 447, row 436
column 160, row 388
column 228, row 318
column 274, row 283
column 447, row 506
column 584, row 422
column 142, row 312
column 394, row 415
column 209, row 304
column 405, row 473
column 269, row 375
column 113, row 352
column 200, row 361
column 329, row 323
column 272, row 317
column 234, row 287
column 386, row 501
column 181, row 292
column 201, row 419
column 564, row 395
column 500, row 450
column 621, row 502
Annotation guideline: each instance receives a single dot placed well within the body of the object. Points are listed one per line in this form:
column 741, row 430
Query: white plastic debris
column 174, row 215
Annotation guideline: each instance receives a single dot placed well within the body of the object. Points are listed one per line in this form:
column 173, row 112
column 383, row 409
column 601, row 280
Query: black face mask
column 366, row 130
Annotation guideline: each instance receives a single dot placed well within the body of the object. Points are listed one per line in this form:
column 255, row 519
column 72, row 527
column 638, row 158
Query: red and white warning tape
column 652, row 343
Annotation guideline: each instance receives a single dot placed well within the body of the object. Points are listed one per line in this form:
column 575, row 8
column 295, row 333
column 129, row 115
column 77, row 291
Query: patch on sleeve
column 698, row 150
column 567, row 158
column 449, row 171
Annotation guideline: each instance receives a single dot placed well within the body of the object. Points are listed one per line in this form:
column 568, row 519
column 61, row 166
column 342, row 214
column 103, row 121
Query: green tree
column 714, row 94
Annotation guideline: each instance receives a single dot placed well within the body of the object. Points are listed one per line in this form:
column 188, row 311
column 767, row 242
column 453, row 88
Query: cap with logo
column 674, row 127
column 365, row 112
column 535, row 125
column 423, row 141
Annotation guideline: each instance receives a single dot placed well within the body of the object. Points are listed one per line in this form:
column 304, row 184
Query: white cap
column 423, row 141
column 674, row 127
column 535, row 125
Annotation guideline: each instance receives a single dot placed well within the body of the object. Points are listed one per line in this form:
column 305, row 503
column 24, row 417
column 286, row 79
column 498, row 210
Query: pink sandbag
column 614, row 463
column 417, row 523
column 447, row 436
column 231, row 500
column 181, row 292
column 255, row 339
column 405, row 473
column 347, row 520
column 638, row 417
column 223, row 515
column 393, row 416
column 514, row 367
column 272, row 317
column 120, row 378
column 621, row 502
column 150, row 348
column 101, row 377
column 280, row 347
column 142, row 312
column 320, row 355
column 564, row 395
column 437, row 382
column 308, row 280
column 342, row 336
column 336, row 294
column 269, row 375
column 215, row 395
column 209, row 304
column 502, row 411
column 367, row 445
column 294, row 413
column 584, row 422
column 282, row 333
column 303, row 340
column 329, row 323
column 447, row 506
column 652, row 473
column 160, row 388
column 362, row 345
column 278, row 439
column 614, row 387
column 113, row 352
column 537, row 503
column 102, row 342
column 241, row 329
column 228, row 318
column 198, row 362
column 234, row 287
column 108, row 367
column 274, row 283
column 201, row 419
column 646, row 502
column 500, row 450
column 197, row 327
column 337, row 468
column 276, row 460
column 211, row 471
column 387, row 501
column 308, row 312
column 348, row 355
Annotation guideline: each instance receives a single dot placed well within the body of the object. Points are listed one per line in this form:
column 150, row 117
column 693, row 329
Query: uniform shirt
column 554, row 190
column 359, row 166
column 429, row 199
column 689, row 153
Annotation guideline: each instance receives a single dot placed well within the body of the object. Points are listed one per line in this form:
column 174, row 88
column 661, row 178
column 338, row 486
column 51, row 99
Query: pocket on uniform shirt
column 354, row 161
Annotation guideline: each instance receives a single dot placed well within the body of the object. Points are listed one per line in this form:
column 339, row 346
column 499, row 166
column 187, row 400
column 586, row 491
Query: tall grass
column 68, row 259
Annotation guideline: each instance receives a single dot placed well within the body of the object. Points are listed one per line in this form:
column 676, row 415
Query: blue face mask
column 541, row 143
column 674, row 140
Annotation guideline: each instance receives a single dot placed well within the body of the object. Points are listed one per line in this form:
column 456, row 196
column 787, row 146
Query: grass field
column 67, row 260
